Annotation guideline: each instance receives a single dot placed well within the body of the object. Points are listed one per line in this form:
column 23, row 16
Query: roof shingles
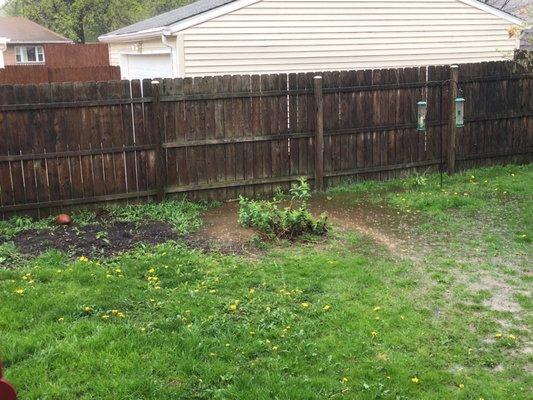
column 22, row 30
column 172, row 17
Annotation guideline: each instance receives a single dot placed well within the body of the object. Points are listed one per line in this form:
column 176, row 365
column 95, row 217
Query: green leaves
column 285, row 223
column 85, row 20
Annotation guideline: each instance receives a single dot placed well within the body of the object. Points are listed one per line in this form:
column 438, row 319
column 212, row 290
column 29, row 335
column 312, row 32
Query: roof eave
column 41, row 42
column 178, row 26
column 125, row 37
column 494, row 11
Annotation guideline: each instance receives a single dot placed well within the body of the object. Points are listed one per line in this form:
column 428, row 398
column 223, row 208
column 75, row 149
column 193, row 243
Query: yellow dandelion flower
column 88, row 310
column 498, row 335
column 327, row 307
column 60, row 319
column 461, row 386
column 252, row 291
column 121, row 315
column 512, row 337
column 118, row 270
column 415, row 380
column 344, row 380
column 151, row 270
column 233, row 307
column 19, row 291
column 275, row 348
column 252, row 333
column 374, row 333
column 305, row 304
column 83, row 259
column 104, row 317
column 142, row 329
column 376, row 309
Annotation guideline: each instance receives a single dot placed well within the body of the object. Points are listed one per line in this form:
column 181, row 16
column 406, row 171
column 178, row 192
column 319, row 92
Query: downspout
column 3, row 47
column 174, row 57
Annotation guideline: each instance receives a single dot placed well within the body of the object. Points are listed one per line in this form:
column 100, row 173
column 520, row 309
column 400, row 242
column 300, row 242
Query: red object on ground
column 7, row 391
column 64, row 219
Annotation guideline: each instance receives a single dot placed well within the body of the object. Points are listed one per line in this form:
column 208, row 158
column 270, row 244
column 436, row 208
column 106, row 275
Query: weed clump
column 289, row 222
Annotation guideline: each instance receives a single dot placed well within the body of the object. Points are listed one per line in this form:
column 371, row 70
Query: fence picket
column 71, row 144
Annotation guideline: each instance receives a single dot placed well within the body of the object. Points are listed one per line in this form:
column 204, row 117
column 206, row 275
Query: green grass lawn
column 448, row 316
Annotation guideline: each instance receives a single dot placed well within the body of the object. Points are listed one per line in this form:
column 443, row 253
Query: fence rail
column 217, row 137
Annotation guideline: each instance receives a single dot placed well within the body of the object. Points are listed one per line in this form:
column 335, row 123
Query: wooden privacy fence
column 64, row 55
column 218, row 137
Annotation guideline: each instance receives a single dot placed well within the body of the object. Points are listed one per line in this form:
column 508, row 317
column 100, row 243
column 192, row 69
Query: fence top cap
column 454, row 66
column 154, row 82
column 318, row 77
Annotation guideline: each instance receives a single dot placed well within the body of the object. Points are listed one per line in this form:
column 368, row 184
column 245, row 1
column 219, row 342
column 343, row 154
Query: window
column 29, row 54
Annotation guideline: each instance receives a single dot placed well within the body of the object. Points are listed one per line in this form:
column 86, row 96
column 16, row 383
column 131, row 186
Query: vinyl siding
column 313, row 35
column 153, row 46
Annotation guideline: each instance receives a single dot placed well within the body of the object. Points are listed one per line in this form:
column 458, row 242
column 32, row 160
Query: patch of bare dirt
column 222, row 232
column 380, row 223
column 94, row 240
column 502, row 293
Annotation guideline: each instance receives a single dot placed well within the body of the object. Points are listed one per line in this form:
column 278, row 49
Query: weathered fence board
column 67, row 144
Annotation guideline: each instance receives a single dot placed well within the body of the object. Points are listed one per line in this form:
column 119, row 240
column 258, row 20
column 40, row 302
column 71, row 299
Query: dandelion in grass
column 377, row 308
column 415, row 380
column 305, row 304
column 498, row 335
column 275, row 348
column 88, row 310
column 374, row 334
column 19, row 291
column 83, row 259
column 327, row 307
column 512, row 337
column 344, row 380
column 60, row 320
column 104, row 317
column 461, row 386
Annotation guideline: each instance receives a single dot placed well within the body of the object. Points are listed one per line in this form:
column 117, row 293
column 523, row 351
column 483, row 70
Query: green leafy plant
column 287, row 222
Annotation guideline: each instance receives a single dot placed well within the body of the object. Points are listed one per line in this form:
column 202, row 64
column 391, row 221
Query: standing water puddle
column 222, row 230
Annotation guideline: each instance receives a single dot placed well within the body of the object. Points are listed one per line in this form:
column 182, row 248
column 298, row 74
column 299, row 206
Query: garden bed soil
column 220, row 232
column 95, row 240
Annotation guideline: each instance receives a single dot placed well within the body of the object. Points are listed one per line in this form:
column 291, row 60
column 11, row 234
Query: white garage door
column 149, row 66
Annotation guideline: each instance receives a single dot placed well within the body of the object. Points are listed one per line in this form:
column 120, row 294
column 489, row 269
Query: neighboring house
column 214, row 37
column 24, row 41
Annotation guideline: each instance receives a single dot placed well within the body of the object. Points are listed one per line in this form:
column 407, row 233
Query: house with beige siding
column 219, row 37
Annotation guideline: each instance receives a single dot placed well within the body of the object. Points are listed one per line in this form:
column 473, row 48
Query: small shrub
column 283, row 222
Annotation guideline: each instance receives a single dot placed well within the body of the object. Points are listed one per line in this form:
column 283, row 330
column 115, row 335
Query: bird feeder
column 459, row 112
column 422, row 114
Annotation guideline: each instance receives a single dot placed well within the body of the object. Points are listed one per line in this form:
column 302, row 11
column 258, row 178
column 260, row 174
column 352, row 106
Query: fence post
column 452, row 129
column 319, row 135
column 160, row 170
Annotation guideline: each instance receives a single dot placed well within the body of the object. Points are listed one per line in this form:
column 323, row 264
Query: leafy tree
column 85, row 20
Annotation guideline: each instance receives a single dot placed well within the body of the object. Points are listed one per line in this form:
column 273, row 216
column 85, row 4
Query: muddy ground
column 220, row 232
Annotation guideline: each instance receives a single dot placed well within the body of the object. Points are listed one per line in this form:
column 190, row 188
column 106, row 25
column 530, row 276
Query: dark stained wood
column 319, row 136
column 221, row 137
